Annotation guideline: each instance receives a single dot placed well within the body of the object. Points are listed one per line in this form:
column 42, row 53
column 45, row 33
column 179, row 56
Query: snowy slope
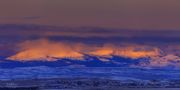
column 89, row 72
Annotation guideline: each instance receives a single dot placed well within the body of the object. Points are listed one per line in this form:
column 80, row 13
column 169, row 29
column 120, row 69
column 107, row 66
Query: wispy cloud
column 29, row 30
column 21, row 17
column 27, row 43
column 43, row 49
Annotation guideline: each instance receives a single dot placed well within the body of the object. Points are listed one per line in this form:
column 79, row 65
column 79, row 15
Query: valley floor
column 50, row 78
column 88, row 84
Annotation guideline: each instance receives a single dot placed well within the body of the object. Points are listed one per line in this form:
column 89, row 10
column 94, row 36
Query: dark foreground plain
column 87, row 84
column 99, row 89
column 56, row 78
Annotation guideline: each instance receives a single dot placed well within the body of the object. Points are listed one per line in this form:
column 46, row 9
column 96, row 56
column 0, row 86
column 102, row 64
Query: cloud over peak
column 44, row 49
column 47, row 50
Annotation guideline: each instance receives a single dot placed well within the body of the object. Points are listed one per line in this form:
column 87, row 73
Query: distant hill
column 90, row 61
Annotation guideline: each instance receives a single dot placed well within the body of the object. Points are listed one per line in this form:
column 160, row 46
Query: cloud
column 128, row 51
column 44, row 49
column 21, row 17
column 47, row 50
column 28, row 30
column 169, row 59
column 161, row 47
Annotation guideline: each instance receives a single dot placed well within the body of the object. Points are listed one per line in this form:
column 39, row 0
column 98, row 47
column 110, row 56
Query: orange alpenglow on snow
column 51, row 51
column 45, row 50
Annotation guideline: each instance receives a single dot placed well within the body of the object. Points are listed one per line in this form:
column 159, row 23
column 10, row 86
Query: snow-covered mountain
column 89, row 61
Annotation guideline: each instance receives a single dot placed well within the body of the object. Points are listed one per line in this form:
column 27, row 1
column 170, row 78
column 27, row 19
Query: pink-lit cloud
column 47, row 50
